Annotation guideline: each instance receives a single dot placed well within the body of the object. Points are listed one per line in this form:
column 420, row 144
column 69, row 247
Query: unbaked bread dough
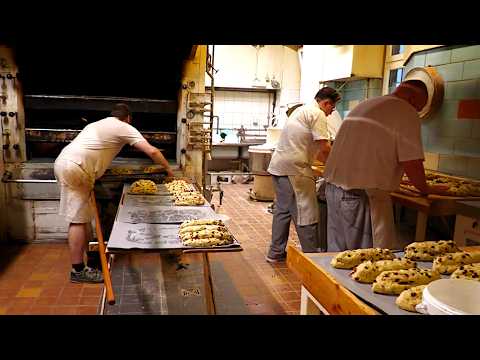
column 350, row 258
column 428, row 250
column 143, row 187
column 395, row 281
column 201, row 222
column 408, row 299
column 447, row 264
column 367, row 271
column 469, row 272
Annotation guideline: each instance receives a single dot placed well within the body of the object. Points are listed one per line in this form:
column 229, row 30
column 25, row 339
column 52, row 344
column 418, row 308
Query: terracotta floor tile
column 7, row 293
column 41, row 310
column 7, row 301
column 72, row 291
column 89, row 300
column 87, row 310
column 51, row 291
column 65, row 310
column 68, row 300
column 18, row 310
column 29, row 292
column 3, row 310
column 97, row 291
column 47, row 300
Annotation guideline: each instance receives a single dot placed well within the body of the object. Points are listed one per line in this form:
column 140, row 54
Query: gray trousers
column 286, row 210
column 348, row 219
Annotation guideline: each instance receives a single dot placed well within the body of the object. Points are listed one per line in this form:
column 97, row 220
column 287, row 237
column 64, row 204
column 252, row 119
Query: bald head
column 414, row 92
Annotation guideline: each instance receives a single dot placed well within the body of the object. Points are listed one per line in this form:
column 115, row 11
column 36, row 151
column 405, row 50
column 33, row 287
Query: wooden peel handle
column 103, row 257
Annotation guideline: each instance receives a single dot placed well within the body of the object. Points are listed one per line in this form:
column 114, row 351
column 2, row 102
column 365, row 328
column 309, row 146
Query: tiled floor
column 34, row 278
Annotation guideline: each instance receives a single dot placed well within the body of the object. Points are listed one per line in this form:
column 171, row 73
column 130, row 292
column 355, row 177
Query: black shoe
column 87, row 275
column 276, row 259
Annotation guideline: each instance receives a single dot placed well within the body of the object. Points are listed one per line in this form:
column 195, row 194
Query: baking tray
column 125, row 236
column 165, row 214
column 130, row 200
column 383, row 303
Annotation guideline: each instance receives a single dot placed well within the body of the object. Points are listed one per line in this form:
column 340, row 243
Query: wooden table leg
column 421, row 229
column 103, row 254
column 207, row 276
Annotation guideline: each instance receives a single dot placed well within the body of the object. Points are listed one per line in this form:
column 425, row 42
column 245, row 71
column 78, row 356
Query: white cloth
column 296, row 148
column 305, row 196
column 75, row 189
column 384, row 234
column 373, row 139
column 98, row 144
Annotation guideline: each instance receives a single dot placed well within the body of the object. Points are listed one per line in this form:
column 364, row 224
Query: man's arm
column 324, row 150
column 154, row 154
column 416, row 174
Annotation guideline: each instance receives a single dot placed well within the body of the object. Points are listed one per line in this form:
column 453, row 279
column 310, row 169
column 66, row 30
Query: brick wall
column 453, row 133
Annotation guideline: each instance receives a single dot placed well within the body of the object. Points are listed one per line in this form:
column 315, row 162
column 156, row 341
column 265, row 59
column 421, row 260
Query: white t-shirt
column 373, row 139
column 296, row 148
column 98, row 143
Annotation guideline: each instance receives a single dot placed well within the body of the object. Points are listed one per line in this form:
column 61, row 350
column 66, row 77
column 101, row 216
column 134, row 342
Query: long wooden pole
column 103, row 254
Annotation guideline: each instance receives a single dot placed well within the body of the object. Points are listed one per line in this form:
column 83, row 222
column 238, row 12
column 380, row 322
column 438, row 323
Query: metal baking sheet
column 384, row 303
column 147, row 200
column 165, row 214
column 150, row 237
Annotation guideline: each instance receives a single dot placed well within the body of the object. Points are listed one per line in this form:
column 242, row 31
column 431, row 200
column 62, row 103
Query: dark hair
column 418, row 84
column 121, row 111
column 328, row 93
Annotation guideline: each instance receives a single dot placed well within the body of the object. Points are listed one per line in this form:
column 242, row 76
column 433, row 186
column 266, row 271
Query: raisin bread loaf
column 428, row 250
column 351, row 258
column 367, row 271
column 447, row 264
column 395, row 281
column 410, row 298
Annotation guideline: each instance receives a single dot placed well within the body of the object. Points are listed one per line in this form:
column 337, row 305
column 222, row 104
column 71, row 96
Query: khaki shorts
column 75, row 189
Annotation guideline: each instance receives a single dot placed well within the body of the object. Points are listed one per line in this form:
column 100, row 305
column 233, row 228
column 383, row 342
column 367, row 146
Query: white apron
column 381, row 213
column 306, row 198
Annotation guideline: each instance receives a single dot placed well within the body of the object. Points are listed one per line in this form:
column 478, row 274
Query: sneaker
column 87, row 275
column 276, row 259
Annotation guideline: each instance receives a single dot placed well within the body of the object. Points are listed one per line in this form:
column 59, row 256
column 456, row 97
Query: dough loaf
column 395, row 281
column 408, row 299
column 194, row 228
column 469, row 272
column 204, row 233
column 143, row 187
column 201, row 222
column 428, row 250
column 447, row 264
column 351, row 258
column 367, row 271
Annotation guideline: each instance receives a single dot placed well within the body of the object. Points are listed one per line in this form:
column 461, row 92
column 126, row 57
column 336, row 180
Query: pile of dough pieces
column 184, row 193
column 401, row 276
column 143, row 187
column 204, row 233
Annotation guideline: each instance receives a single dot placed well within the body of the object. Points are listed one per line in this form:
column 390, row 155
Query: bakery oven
column 50, row 91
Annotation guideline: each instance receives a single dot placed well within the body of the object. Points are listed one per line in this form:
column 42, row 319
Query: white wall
column 236, row 65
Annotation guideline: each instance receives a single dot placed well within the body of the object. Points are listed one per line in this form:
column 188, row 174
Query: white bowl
column 451, row 297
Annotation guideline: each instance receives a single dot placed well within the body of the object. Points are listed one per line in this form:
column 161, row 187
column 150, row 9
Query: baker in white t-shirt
column 77, row 167
column 304, row 138
column 378, row 141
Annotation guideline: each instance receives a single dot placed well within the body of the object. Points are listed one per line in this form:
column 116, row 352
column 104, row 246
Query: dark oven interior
column 69, row 83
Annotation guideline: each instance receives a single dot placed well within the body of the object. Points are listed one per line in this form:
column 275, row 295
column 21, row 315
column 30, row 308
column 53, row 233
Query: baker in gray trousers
column 304, row 138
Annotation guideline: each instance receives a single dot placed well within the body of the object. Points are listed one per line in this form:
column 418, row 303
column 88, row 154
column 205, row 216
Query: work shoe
column 87, row 275
column 276, row 259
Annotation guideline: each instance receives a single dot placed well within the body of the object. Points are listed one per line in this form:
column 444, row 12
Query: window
column 397, row 49
column 394, row 79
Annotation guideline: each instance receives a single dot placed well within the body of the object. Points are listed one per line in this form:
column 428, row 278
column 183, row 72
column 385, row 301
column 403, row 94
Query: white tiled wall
column 236, row 108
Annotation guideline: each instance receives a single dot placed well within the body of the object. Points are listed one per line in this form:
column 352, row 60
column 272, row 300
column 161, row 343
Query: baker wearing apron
column 303, row 139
